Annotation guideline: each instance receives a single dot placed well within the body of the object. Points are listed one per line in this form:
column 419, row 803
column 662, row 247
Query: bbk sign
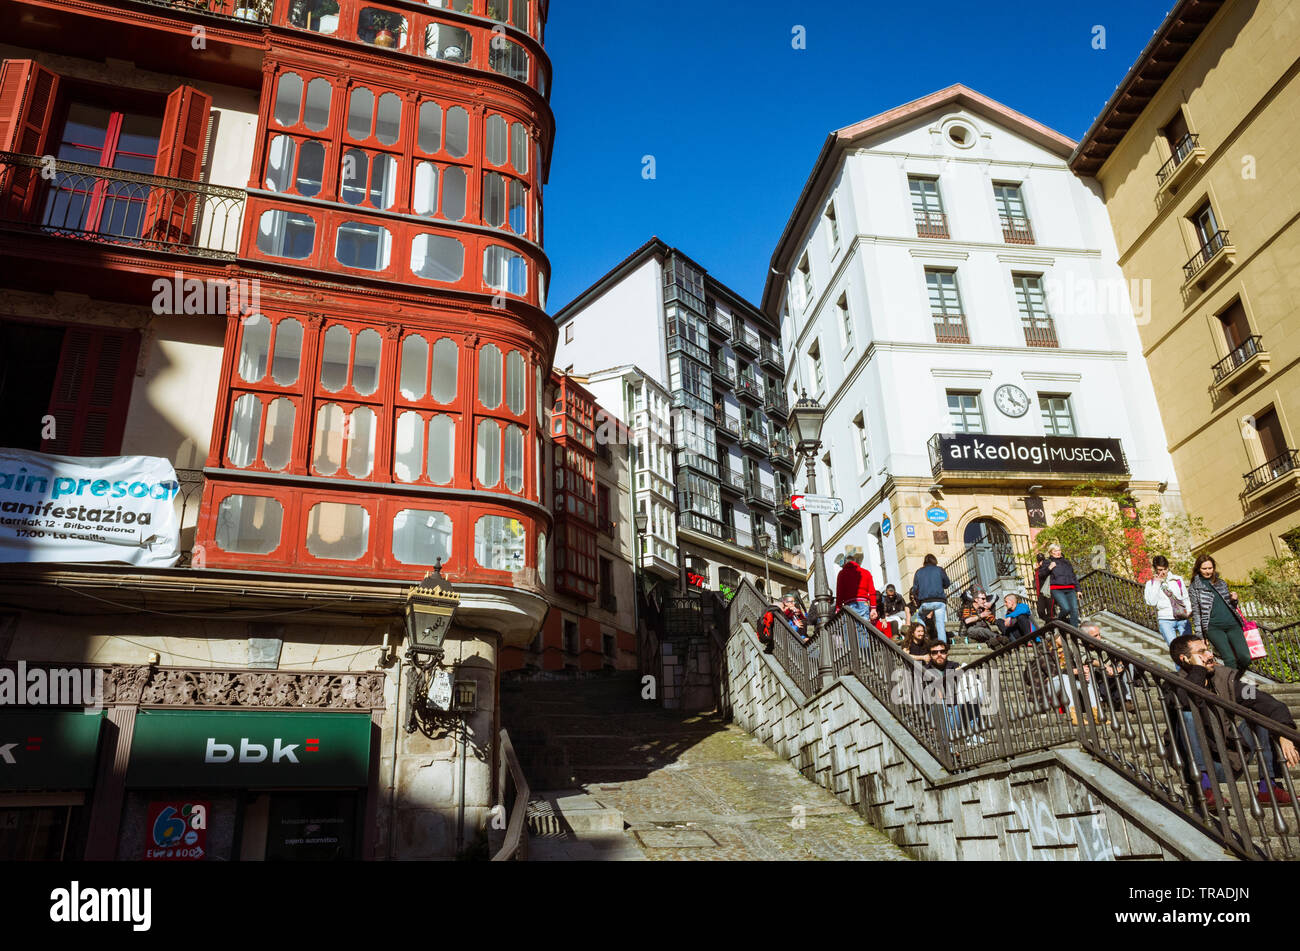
column 54, row 750
column 215, row 749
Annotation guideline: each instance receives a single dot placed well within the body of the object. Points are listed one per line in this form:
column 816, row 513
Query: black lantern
column 642, row 523
column 430, row 608
column 806, row 419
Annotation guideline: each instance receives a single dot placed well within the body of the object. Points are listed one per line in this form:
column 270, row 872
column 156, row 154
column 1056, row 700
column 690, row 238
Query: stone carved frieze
column 196, row 687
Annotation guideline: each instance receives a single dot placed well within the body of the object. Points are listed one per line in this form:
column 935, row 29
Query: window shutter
column 171, row 213
column 28, row 92
column 92, row 390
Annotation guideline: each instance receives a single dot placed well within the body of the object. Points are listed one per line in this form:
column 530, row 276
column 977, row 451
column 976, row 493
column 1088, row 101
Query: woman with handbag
column 1043, row 585
column 1167, row 593
column 1217, row 617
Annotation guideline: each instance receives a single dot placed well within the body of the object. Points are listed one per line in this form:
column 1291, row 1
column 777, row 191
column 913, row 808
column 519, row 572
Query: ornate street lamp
column 806, row 419
column 430, row 609
column 764, row 542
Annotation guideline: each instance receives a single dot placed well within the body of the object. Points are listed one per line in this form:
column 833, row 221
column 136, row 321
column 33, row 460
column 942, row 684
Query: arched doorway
column 989, row 552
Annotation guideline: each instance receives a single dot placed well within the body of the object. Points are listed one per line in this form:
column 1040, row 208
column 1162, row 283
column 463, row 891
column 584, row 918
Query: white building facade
column 949, row 290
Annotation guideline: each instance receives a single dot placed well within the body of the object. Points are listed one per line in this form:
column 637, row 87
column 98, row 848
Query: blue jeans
column 1249, row 743
column 940, row 609
column 1067, row 604
column 1169, row 628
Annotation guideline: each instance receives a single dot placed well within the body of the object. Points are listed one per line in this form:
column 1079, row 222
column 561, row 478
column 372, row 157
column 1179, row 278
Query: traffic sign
column 817, row 504
column 885, row 525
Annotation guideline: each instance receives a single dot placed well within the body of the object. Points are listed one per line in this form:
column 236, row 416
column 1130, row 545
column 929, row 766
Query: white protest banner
column 67, row 509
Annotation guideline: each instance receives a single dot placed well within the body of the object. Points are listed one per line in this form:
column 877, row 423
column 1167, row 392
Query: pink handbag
column 1254, row 639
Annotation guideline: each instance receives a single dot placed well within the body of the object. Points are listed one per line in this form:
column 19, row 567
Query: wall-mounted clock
column 1011, row 400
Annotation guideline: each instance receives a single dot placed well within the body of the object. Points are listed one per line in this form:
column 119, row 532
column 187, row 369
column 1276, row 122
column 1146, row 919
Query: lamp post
column 764, row 542
column 430, row 609
column 806, row 419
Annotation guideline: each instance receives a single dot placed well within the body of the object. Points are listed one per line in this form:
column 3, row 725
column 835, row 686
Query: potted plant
column 386, row 27
column 259, row 10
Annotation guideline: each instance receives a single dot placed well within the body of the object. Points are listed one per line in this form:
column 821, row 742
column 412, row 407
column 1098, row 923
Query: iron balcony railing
column 755, row 438
column 777, row 404
column 931, row 224
column 121, row 208
column 742, row 338
column 1252, row 346
column 950, row 328
column 749, row 386
column 771, row 355
column 781, row 452
column 1100, row 590
column 1041, row 334
column 1159, row 730
column 720, row 321
column 1281, row 661
column 1183, row 149
column 1271, row 471
column 1207, row 253
column 723, row 371
column 757, row 493
column 727, row 425
column 1016, row 230
column 731, row 479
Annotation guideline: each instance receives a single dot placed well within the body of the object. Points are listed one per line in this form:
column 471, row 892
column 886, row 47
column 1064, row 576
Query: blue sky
column 735, row 117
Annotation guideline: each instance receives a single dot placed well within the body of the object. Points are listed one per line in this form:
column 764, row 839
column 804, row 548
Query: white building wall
column 623, row 325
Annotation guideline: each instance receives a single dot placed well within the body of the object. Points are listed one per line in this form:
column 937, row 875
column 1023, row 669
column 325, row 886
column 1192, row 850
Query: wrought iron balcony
column 727, row 425
column 732, row 481
column 742, row 338
column 758, row 494
column 754, row 439
column 720, row 322
column 1249, row 349
column 1185, row 147
column 776, row 404
column 121, row 208
column 1041, row 334
column 1272, row 471
column 771, row 356
column 1016, row 230
column 748, row 387
column 1217, row 244
column 723, row 371
column 950, row 328
column 782, row 453
column 931, row 224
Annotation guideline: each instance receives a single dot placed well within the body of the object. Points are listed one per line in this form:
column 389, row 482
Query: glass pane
column 311, row 169
column 409, row 448
column 519, row 14
column 488, row 455
column 317, row 114
column 388, row 125
column 328, row 440
column 338, row 532
column 519, row 148
column 334, row 358
column 489, row 376
column 415, row 367
column 518, row 207
column 277, row 443
column 356, row 172
column 499, row 543
column 505, row 270
column 383, row 182
column 285, row 234
column 438, row 258
column 361, row 443
column 288, row 352
column 514, row 456
column 451, row 44
column 494, row 199
column 288, row 99
column 361, row 107
column 516, row 382
column 457, row 132
column 280, row 163
column 313, row 15
column 254, row 348
column 382, row 28
column 245, row 418
column 421, row 538
column 496, row 140
column 424, row 197
column 365, row 364
column 443, row 389
column 442, row 449
column 368, row 247
column 249, row 524
column 430, row 127
column 453, row 193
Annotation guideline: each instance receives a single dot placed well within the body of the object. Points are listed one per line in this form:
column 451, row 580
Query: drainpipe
column 392, row 774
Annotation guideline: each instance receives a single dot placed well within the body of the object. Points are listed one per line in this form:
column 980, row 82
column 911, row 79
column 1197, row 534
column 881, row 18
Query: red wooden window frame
column 28, row 97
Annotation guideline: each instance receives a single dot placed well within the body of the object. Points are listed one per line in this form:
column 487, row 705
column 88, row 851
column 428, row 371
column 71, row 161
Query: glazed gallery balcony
column 120, row 208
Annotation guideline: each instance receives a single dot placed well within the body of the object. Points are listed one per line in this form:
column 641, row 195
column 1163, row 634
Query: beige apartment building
column 1196, row 154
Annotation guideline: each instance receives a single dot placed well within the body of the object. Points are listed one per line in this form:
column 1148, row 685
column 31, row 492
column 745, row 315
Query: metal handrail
column 1041, row 336
column 127, row 209
column 1272, row 470
column 1016, row 230
column 1181, row 150
column 930, row 224
column 776, row 403
column 1060, row 686
column 515, row 846
column 1250, row 347
column 951, row 328
column 1205, row 254
column 1100, row 590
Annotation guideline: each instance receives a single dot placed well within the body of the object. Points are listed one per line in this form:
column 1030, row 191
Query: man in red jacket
column 853, row 585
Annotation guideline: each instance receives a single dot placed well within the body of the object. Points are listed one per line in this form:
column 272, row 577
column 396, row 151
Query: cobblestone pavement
column 693, row 787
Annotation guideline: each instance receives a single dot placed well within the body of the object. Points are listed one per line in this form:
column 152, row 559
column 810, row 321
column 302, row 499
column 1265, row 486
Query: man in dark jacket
column 1063, row 585
column 1017, row 623
column 931, row 585
column 939, row 679
column 1196, row 664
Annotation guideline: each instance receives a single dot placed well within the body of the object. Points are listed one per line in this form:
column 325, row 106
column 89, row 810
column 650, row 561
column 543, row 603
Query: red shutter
column 171, row 213
column 92, row 390
column 28, row 92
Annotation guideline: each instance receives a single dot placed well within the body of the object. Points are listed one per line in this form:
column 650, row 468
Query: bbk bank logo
column 250, row 752
column 14, row 752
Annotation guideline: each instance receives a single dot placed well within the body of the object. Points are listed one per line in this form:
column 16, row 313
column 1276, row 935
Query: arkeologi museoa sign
column 978, row 452
column 69, row 509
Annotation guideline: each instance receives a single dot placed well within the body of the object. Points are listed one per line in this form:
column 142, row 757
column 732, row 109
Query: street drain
column 675, row 837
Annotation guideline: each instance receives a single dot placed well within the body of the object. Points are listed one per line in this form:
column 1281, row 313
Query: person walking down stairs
column 1217, row 616
column 1167, row 593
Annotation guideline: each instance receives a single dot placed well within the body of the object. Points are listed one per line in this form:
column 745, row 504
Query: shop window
column 489, row 376
column 451, row 44
column 421, row 537
column 368, row 178
column 437, row 258
column 249, row 524
column 363, row 246
column 337, row 531
column 382, row 28
column 286, row 234
column 516, row 382
column 488, row 453
column 500, row 543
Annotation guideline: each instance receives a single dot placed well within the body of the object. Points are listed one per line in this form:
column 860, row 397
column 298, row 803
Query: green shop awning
column 51, row 750
column 221, row 749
